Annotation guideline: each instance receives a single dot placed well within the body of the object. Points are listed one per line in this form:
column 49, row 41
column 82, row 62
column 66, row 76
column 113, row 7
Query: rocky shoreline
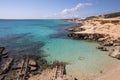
column 105, row 31
column 27, row 67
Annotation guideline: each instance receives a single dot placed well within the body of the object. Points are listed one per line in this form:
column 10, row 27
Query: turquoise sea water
column 48, row 37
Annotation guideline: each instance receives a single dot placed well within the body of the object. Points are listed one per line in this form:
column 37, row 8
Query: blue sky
column 44, row 9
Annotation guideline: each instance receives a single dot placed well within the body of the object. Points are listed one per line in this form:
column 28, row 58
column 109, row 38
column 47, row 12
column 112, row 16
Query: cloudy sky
column 55, row 9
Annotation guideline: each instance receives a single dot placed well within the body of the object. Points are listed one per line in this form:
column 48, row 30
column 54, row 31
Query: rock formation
column 106, row 31
column 115, row 53
column 102, row 48
column 57, row 73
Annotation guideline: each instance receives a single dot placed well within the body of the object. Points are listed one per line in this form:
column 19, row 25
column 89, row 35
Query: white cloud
column 76, row 8
column 70, row 13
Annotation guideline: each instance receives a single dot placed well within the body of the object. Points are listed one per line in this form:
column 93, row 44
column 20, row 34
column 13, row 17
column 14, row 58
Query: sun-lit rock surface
column 115, row 52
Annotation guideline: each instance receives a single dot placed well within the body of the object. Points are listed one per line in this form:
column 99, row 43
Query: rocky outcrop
column 103, row 39
column 3, row 52
column 115, row 53
column 23, row 67
column 57, row 73
column 75, row 29
column 90, row 36
column 102, row 48
column 6, row 66
column 32, row 65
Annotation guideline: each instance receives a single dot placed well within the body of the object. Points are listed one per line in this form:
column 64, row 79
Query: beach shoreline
column 106, row 32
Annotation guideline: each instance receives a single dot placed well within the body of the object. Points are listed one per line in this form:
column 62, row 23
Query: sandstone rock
column 115, row 52
column 5, row 54
column 18, row 64
column 33, row 68
column 70, row 29
column 32, row 65
column 102, row 48
column 6, row 66
column 116, row 44
column 32, row 62
column 79, row 29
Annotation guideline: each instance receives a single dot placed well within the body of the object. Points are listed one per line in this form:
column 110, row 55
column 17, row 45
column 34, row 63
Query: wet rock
column 116, row 44
column 115, row 53
column 2, row 49
column 18, row 64
column 5, row 54
column 6, row 66
column 2, row 77
column 79, row 29
column 32, row 62
column 32, row 65
column 32, row 68
column 70, row 29
column 102, row 48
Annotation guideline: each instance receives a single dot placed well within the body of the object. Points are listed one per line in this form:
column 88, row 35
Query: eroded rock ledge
column 27, row 67
column 103, row 30
column 56, row 73
column 103, row 39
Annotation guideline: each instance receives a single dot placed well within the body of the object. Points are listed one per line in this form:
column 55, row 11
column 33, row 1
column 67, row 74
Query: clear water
column 49, row 38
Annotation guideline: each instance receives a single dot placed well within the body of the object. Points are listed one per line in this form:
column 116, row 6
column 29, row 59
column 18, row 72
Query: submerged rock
column 2, row 49
column 115, row 52
column 3, row 52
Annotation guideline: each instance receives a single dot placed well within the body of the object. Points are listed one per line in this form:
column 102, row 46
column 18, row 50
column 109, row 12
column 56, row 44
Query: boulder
column 115, row 53
column 32, row 65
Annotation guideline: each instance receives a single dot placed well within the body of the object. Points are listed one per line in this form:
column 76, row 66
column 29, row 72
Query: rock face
column 115, row 52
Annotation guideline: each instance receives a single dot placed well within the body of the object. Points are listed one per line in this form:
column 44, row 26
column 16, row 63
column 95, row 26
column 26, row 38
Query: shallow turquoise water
column 50, row 38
